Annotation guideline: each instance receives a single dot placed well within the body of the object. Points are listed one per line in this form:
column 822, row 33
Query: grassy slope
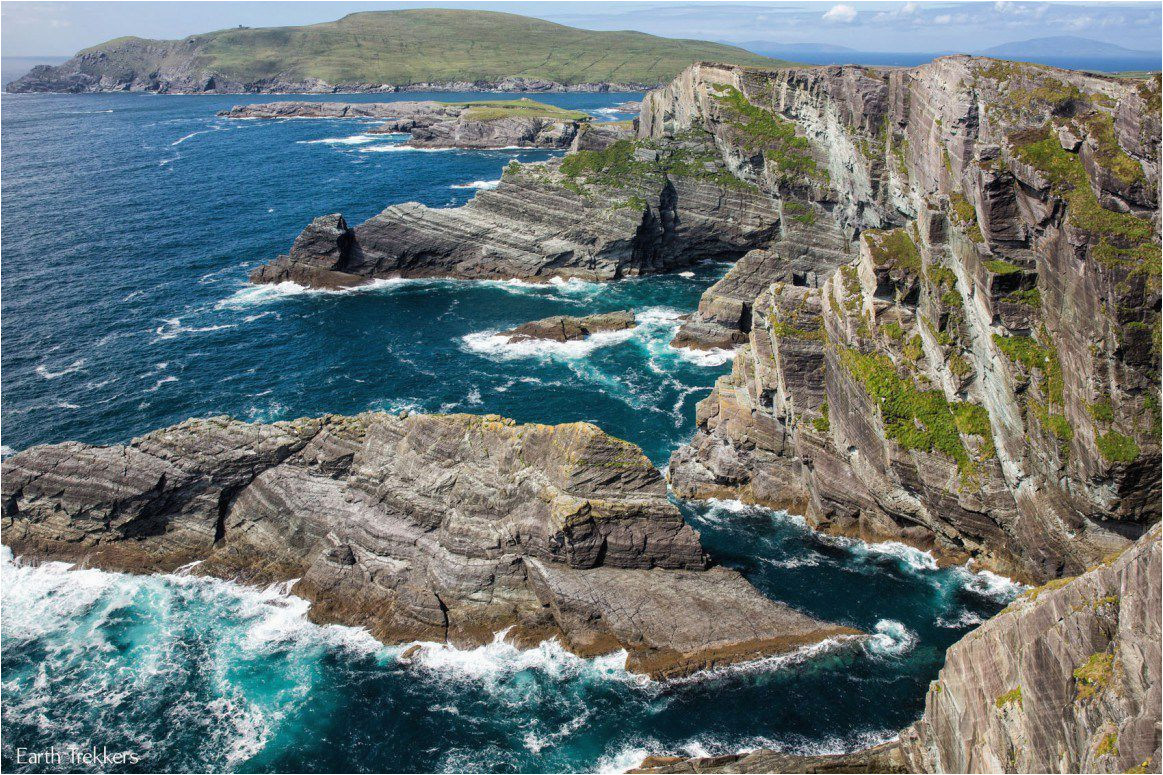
column 436, row 45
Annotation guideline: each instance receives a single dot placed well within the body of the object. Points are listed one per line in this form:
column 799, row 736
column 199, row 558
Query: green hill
column 387, row 47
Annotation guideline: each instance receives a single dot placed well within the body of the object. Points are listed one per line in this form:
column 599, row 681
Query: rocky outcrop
column 448, row 527
column 952, row 337
column 519, row 123
column 421, row 110
column 626, row 209
column 567, row 328
column 882, row 758
column 599, row 137
column 1066, row 679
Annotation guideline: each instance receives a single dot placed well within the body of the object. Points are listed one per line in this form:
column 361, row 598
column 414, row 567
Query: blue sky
column 60, row 28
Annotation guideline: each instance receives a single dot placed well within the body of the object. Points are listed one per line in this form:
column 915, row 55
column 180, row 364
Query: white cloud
column 840, row 13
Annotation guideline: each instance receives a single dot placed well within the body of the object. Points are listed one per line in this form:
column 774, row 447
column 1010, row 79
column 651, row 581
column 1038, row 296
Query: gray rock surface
column 449, row 527
column 567, row 328
column 615, row 215
column 432, row 124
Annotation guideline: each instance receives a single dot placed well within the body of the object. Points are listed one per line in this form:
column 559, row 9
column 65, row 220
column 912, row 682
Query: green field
column 491, row 110
column 428, row 45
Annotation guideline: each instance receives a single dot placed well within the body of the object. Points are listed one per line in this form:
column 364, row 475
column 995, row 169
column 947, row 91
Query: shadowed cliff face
column 954, row 337
column 449, row 527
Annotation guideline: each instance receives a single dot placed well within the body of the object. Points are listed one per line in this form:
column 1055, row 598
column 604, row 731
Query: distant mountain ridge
column 385, row 51
column 1056, row 45
column 1067, row 51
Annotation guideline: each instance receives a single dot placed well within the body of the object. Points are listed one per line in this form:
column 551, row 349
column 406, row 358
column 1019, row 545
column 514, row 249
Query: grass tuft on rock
column 920, row 419
column 1094, row 674
column 1013, row 696
column 1117, row 448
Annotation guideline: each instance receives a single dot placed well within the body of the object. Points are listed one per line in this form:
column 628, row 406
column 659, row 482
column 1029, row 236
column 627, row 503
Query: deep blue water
column 130, row 223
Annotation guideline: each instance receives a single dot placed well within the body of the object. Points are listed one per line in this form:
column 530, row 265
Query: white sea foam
column 716, row 356
column 686, row 274
column 480, row 185
column 392, row 147
column 537, row 742
column 349, row 140
column 163, row 381
column 6, row 450
column 251, row 295
column 912, row 558
column 497, row 346
column 628, row 756
column 891, row 639
column 499, row 660
column 76, row 613
column 172, row 328
column 183, row 139
column 962, row 620
column 397, row 147
column 990, row 585
column 72, row 368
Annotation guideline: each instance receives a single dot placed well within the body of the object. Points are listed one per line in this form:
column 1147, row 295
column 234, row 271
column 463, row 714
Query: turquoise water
column 130, row 224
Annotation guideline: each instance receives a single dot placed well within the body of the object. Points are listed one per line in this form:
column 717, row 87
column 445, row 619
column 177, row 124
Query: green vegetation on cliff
column 762, row 130
column 920, row 419
column 629, row 162
column 894, row 247
column 1122, row 239
column 426, row 45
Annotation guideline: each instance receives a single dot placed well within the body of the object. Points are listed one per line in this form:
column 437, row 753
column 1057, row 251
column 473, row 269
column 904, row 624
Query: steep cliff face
column 1066, row 679
column 449, row 527
column 955, row 340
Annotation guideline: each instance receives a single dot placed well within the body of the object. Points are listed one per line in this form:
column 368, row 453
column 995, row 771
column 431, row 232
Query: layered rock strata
column 567, row 328
column 953, row 337
column 1066, row 679
column 507, row 124
column 615, row 208
column 449, row 527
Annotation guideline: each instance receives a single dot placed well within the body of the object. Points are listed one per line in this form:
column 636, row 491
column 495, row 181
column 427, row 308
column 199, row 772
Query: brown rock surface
column 448, row 527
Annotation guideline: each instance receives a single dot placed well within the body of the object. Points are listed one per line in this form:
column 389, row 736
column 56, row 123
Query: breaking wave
column 349, row 140
column 479, row 185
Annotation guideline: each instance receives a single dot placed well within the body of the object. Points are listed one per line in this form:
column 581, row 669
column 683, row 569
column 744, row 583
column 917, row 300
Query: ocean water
column 130, row 223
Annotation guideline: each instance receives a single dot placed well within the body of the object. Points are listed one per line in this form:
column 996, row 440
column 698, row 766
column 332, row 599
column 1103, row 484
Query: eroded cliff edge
column 1066, row 679
column 418, row 527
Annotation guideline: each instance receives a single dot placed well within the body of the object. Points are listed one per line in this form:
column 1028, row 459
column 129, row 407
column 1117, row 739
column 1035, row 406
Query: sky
column 35, row 28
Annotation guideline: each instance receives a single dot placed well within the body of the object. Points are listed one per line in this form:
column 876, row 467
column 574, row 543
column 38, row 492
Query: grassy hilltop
column 425, row 45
